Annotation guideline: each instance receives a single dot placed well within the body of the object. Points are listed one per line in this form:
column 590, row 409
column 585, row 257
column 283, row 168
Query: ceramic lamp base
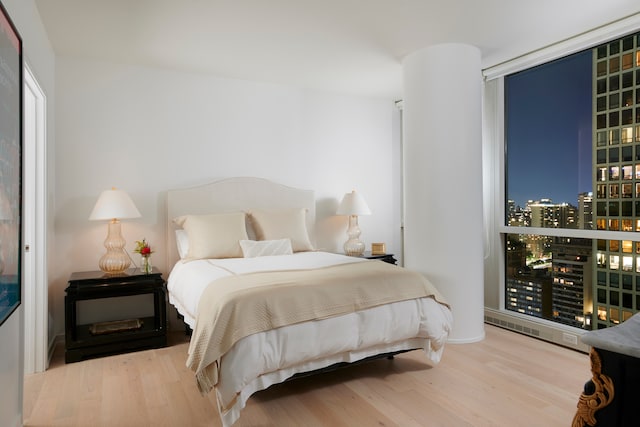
column 116, row 259
column 353, row 246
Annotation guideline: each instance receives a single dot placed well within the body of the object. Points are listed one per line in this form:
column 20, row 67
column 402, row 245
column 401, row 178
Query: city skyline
column 539, row 157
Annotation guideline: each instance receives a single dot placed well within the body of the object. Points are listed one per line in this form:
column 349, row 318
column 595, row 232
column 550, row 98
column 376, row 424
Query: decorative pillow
column 182, row 242
column 283, row 224
column 253, row 248
column 214, row 236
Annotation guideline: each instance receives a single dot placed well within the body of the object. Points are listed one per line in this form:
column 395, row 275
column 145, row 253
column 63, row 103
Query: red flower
column 143, row 248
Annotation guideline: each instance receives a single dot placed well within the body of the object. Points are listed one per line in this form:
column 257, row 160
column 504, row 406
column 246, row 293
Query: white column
column 442, row 124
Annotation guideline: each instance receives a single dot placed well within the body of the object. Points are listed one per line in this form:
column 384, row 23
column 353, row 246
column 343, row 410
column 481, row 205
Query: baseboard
column 478, row 338
column 565, row 336
column 53, row 344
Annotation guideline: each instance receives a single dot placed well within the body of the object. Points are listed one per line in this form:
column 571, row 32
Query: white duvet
column 267, row 358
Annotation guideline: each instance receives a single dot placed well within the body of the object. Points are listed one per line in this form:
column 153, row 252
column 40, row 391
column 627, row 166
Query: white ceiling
column 350, row 46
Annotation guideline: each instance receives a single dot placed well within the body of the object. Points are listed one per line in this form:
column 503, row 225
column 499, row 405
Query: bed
column 265, row 306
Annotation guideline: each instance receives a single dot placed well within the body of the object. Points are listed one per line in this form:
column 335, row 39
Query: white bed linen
column 188, row 279
column 270, row 357
column 281, row 353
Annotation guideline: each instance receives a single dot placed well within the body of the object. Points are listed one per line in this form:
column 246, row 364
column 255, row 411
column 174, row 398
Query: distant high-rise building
column 571, row 271
column 585, row 211
column 529, row 287
column 546, row 278
column 529, row 295
column 616, row 150
column 545, row 213
column 540, row 212
column 516, row 217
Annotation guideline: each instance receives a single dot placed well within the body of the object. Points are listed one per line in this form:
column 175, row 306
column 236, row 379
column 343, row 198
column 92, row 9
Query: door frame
column 35, row 289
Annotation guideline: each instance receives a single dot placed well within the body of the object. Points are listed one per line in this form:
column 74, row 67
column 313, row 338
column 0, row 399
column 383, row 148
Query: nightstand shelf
column 81, row 343
column 84, row 335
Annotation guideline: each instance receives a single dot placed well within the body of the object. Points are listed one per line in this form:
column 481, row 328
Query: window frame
column 494, row 156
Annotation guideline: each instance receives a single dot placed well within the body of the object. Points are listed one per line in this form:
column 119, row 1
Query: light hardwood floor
column 506, row 380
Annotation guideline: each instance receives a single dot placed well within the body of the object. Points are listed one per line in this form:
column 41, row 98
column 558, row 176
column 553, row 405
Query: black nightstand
column 384, row 257
column 120, row 336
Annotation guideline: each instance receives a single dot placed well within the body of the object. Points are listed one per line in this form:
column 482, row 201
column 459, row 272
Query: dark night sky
column 548, row 131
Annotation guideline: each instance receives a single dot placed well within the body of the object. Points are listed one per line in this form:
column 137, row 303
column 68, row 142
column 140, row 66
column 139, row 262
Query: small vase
column 145, row 264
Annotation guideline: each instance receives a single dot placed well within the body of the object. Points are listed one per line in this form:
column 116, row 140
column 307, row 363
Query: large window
column 572, row 144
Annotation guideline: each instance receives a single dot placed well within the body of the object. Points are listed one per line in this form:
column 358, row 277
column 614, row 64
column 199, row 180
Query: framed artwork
column 11, row 86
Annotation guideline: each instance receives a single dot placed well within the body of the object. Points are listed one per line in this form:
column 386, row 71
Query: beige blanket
column 234, row 307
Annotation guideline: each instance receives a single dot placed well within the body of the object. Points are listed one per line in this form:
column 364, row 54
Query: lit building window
column 614, row 245
column 614, row 173
column 614, row 262
column 602, row 190
column 602, row 313
column 614, row 135
column 614, row 315
column 602, row 174
column 614, row 190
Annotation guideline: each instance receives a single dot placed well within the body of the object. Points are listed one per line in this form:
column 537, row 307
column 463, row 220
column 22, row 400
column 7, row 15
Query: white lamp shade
column 114, row 204
column 353, row 204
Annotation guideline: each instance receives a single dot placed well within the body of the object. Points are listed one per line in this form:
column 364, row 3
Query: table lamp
column 114, row 205
column 353, row 205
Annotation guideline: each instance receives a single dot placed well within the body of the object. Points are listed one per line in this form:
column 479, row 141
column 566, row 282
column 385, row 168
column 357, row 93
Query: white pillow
column 182, row 242
column 214, row 236
column 253, row 248
column 283, row 224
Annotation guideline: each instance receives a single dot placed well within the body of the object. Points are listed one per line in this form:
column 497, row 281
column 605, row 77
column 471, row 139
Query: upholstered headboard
column 233, row 195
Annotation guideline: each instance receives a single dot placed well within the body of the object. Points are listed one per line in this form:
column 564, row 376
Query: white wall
column 148, row 130
column 39, row 55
